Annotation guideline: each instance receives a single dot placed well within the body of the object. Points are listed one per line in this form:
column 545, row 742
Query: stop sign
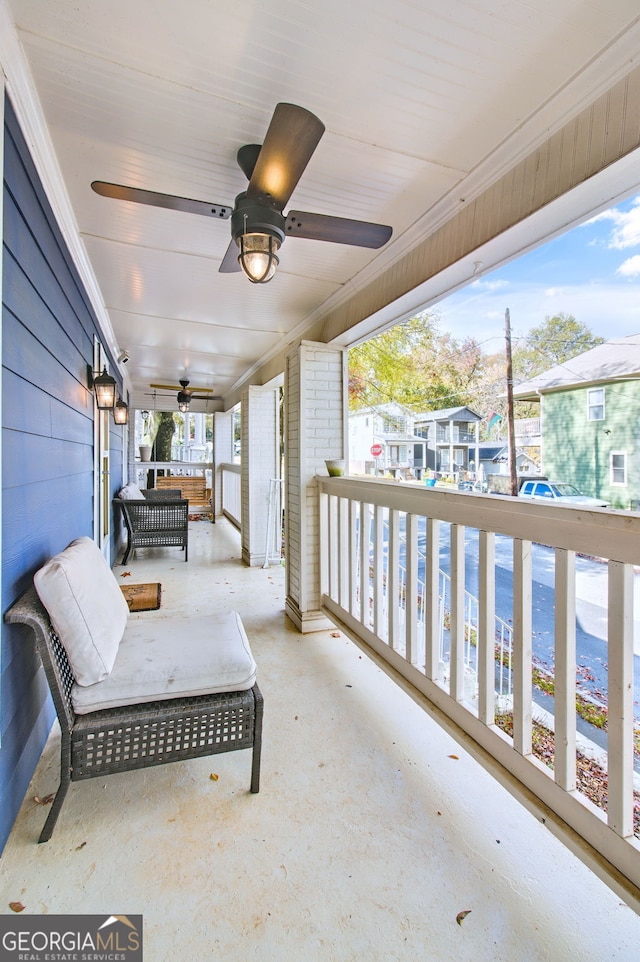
column 376, row 450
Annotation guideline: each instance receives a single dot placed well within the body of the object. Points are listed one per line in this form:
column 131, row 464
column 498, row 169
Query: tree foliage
column 557, row 340
column 415, row 364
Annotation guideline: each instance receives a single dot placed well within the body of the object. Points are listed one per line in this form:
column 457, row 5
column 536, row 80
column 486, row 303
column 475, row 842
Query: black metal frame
column 160, row 520
column 136, row 736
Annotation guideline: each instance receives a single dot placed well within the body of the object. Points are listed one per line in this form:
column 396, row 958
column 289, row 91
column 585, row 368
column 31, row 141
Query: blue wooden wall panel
column 48, row 437
column 41, row 224
column 25, row 306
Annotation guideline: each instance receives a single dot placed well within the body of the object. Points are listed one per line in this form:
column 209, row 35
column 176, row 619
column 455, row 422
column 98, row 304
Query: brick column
column 316, row 417
column 260, row 438
column 222, row 454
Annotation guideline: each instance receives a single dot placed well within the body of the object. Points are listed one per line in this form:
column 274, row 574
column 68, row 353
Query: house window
column 394, row 424
column 595, row 404
column 618, row 467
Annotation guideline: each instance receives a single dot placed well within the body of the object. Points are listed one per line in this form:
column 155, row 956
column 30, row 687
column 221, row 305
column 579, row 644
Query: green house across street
column 590, row 414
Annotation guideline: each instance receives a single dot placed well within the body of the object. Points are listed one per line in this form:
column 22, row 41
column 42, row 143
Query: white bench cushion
column 86, row 606
column 161, row 658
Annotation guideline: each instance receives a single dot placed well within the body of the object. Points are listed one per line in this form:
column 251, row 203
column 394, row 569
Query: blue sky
column 592, row 272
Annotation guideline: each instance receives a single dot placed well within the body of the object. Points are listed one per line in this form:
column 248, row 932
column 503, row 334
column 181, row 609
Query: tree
column 559, row 339
column 414, row 364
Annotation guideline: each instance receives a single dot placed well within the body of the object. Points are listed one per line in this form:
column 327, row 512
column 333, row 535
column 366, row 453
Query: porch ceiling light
column 258, row 256
column 184, row 400
column 121, row 412
column 105, row 389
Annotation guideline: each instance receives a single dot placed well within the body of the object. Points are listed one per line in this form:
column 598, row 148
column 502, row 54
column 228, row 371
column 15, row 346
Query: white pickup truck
column 558, row 492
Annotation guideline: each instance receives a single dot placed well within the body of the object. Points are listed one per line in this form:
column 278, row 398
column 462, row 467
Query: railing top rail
column 599, row 532
column 231, row 468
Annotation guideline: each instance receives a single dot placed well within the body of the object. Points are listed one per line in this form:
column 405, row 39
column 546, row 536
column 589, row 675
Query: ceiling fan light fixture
column 184, row 400
column 258, row 256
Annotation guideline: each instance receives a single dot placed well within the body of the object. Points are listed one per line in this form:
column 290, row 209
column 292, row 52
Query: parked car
column 559, row 492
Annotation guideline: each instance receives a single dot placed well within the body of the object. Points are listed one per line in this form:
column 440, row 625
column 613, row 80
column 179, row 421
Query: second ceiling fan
column 258, row 223
column 187, row 394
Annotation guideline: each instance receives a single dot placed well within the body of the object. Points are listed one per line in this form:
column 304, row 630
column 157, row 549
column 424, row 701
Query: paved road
column 591, row 604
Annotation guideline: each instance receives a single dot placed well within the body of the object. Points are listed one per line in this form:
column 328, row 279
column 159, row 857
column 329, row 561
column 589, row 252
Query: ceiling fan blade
column 178, row 387
column 292, row 137
column 338, row 230
column 139, row 196
column 229, row 263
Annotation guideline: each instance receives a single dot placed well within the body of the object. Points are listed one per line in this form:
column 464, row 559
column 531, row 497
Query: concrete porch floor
column 366, row 840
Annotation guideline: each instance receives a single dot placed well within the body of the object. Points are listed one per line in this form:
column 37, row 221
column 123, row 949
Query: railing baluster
column 378, row 580
column 364, row 563
column 352, row 573
column 344, row 556
column 457, row 612
column 565, row 670
column 393, row 579
column 325, row 535
column 432, row 600
column 334, row 547
column 413, row 655
column 521, row 660
column 486, row 652
column 620, row 716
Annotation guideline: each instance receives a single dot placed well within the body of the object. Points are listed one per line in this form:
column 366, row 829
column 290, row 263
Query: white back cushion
column 131, row 492
column 86, row 607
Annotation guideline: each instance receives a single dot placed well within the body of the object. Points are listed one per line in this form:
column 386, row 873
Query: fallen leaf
column 16, row 906
column 462, row 915
column 45, row 800
column 125, row 574
column 454, row 756
column 80, row 846
column 214, row 777
column 335, row 634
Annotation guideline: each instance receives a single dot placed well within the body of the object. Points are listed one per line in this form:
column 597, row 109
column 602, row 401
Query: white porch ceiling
column 418, row 99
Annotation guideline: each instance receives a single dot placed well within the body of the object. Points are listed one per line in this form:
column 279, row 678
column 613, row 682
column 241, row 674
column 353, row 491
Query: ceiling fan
column 258, row 224
column 185, row 394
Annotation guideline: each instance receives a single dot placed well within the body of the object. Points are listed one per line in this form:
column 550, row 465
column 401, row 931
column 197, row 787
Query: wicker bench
column 160, row 520
column 134, row 736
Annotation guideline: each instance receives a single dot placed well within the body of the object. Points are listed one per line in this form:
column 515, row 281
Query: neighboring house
column 494, row 459
column 590, row 414
column 452, row 436
column 391, row 428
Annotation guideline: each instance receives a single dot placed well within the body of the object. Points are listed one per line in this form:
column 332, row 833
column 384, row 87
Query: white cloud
column 490, row 285
column 554, row 292
column 630, row 267
column 626, row 225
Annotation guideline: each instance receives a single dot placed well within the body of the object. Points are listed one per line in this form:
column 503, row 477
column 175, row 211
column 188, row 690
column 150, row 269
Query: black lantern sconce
column 105, row 389
column 121, row 412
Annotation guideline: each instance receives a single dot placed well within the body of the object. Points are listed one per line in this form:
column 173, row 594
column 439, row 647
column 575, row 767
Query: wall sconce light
column 105, row 388
column 121, row 412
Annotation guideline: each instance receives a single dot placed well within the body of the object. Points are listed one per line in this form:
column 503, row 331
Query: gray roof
column 614, row 360
column 449, row 414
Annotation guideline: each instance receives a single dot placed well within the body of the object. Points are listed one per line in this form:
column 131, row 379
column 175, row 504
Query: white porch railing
column 231, row 503
column 387, row 617
column 139, row 470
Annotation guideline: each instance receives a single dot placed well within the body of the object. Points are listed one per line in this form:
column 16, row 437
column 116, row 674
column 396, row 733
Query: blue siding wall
column 47, row 443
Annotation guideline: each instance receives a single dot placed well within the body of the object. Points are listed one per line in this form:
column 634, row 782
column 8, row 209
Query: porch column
column 316, row 419
column 222, row 454
column 259, row 465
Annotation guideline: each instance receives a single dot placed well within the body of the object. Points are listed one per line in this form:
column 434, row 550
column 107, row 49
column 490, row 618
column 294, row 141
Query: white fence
column 398, row 615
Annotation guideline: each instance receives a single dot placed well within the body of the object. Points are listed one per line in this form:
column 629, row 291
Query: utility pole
column 511, row 426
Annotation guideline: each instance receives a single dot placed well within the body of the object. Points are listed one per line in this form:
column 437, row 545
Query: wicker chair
column 136, row 736
column 161, row 520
